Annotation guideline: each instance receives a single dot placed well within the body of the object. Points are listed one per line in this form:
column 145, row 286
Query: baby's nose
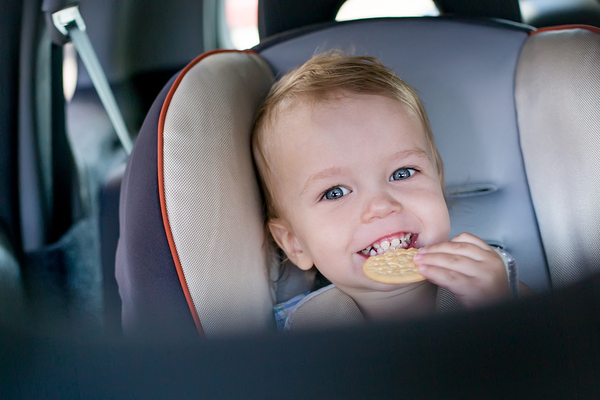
column 380, row 205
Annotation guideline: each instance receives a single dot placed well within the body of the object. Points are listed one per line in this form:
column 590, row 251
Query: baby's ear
column 287, row 240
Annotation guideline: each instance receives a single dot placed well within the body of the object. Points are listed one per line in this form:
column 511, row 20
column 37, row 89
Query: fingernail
column 417, row 256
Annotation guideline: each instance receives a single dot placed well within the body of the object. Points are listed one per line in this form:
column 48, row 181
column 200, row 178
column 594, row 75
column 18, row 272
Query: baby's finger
column 453, row 262
column 466, row 237
column 446, row 278
column 458, row 248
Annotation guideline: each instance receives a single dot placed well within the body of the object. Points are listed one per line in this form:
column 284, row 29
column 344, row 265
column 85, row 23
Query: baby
column 349, row 166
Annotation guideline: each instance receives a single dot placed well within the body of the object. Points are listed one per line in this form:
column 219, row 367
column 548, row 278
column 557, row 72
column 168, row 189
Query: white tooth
column 392, row 247
column 408, row 237
column 373, row 253
column 395, row 242
column 364, row 252
column 380, row 251
column 403, row 243
column 376, row 245
column 385, row 244
column 369, row 248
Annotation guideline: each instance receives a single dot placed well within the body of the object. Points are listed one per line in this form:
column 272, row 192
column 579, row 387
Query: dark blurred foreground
column 542, row 347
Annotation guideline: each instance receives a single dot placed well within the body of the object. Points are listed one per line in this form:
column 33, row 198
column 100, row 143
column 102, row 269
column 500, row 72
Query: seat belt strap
column 70, row 23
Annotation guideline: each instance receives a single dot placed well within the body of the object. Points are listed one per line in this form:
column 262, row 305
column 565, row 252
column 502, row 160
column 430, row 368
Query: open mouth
column 393, row 242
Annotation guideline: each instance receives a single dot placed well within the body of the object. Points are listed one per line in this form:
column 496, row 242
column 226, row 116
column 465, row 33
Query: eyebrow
column 326, row 173
column 409, row 153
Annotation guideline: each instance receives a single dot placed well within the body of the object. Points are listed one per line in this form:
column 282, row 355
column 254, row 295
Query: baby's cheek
column 325, row 244
column 439, row 225
column 314, row 237
column 443, row 219
column 445, row 233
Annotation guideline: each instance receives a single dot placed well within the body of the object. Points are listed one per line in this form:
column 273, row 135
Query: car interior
column 144, row 272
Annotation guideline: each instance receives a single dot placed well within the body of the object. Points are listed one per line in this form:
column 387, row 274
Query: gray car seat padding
column 464, row 71
column 212, row 208
column 558, row 106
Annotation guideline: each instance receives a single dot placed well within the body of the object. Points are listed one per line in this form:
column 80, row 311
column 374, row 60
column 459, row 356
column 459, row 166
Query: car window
column 357, row 9
column 242, row 20
column 242, row 15
column 69, row 70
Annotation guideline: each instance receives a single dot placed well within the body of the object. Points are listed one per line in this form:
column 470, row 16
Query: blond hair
column 322, row 78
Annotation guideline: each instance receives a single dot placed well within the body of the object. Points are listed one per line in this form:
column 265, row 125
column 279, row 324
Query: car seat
column 514, row 112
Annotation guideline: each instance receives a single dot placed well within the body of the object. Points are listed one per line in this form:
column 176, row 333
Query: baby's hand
column 467, row 267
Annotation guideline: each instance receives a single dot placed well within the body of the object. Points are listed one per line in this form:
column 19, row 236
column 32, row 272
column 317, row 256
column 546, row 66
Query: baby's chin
column 366, row 285
column 388, row 287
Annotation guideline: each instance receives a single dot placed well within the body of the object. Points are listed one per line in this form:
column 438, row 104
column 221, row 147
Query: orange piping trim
column 564, row 27
column 161, row 185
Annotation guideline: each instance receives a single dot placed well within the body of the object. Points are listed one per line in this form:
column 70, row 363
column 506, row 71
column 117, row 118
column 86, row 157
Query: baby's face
column 350, row 176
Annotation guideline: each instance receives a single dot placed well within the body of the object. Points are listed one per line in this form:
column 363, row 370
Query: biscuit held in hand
column 395, row 267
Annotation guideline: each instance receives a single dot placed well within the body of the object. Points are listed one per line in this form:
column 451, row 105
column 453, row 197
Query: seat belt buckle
column 67, row 16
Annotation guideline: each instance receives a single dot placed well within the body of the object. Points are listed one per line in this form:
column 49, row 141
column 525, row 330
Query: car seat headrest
column 558, row 105
column 210, row 203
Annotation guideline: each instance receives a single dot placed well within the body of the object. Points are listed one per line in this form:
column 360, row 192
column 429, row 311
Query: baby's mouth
column 393, row 242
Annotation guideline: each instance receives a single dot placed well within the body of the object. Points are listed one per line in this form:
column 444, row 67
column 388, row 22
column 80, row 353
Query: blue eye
column 402, row 173
column 335, row 193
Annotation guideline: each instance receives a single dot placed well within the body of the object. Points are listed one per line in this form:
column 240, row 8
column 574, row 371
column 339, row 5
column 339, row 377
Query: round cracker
column 394, row 267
